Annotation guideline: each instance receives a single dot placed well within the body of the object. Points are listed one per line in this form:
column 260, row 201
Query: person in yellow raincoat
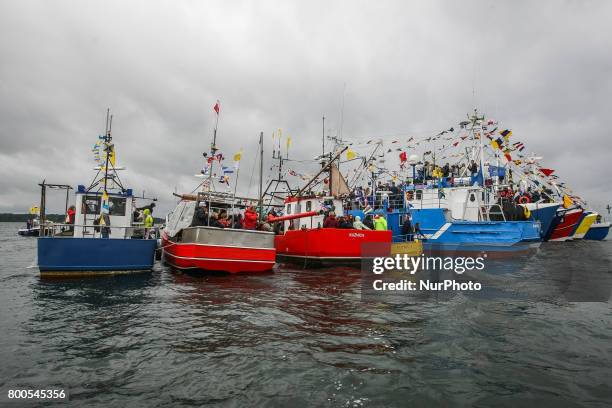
column 148, row 222
column 380, row 223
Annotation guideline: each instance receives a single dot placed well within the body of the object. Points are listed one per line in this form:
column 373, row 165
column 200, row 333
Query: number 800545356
column 36, row 394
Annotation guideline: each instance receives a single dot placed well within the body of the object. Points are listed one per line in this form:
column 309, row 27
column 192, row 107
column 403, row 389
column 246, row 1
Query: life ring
column 526, row 212
column 524, row 200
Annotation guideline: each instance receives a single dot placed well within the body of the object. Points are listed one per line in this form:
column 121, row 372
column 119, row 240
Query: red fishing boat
column 207, row 231
column 304, row 239
column 210, row 249
column 567, row 225
column 189, row 245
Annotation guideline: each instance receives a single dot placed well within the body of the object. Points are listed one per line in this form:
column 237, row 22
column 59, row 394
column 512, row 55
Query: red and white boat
column 195, row 247
column 567, row 225
column 194, row 239
column 305, row 241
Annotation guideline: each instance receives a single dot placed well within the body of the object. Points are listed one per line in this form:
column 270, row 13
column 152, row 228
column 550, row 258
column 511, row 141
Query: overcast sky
column 544, row 69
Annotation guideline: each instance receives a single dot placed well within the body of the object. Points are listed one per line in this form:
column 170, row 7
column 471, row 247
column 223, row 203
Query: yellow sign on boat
column 413, row 248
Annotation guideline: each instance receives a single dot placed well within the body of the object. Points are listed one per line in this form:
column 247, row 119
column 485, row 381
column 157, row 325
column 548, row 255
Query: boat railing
column 101, row 231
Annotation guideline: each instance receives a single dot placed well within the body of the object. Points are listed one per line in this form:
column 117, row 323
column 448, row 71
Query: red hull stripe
column 216, row 259
column 226, row 265
column 222, row 246
column 356, row 258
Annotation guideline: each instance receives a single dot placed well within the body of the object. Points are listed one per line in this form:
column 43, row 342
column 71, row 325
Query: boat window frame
column 113, row 211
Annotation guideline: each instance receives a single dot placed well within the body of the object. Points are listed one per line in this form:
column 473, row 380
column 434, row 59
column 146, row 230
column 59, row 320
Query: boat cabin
column 88, row 207
column 297, row 205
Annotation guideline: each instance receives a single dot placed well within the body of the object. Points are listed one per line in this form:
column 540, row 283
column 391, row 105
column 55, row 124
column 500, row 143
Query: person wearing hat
column 357, row 224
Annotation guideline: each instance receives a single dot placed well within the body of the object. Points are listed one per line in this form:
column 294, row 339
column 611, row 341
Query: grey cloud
column 542, row 68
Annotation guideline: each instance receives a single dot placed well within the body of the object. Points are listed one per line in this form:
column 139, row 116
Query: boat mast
column 213, row 150
column 107, row 148
column 323, row 137
column 261, row 152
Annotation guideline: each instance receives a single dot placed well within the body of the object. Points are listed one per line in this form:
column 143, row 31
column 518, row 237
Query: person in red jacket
column 250, row 219
column 70, row 215
column 330, row 221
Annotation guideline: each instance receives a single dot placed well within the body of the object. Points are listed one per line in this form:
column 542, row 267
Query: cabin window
column 418, row 194
column 472, row 197
column 91, row 205
column 116, row 206
column 288, row 209
column 308, row 206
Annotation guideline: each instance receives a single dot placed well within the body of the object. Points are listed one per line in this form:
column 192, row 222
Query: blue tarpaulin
column 497, row 171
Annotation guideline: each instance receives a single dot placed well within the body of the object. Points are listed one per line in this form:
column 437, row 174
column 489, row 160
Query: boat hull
column 29, row 232
column 224, row 250
column 68, row 256
column 545, row 213
column 584, row 225
column 598, row 231
column 328, row 246
column 468, row 237
column 567, row 225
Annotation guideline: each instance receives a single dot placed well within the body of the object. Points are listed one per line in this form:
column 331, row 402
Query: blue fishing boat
column 441, row 233
column 598, row 231
column 104, row 232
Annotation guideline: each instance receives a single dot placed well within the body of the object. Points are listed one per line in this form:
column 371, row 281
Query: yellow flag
column 280, row 134
column 350, row 155
column 495, row 144
column 288, row 142
column 105, row 205
column 34, row 210
column 567, row 202
column 238, row 156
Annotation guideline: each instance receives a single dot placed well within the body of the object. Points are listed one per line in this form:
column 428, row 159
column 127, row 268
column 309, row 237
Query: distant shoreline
column 15, row 217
